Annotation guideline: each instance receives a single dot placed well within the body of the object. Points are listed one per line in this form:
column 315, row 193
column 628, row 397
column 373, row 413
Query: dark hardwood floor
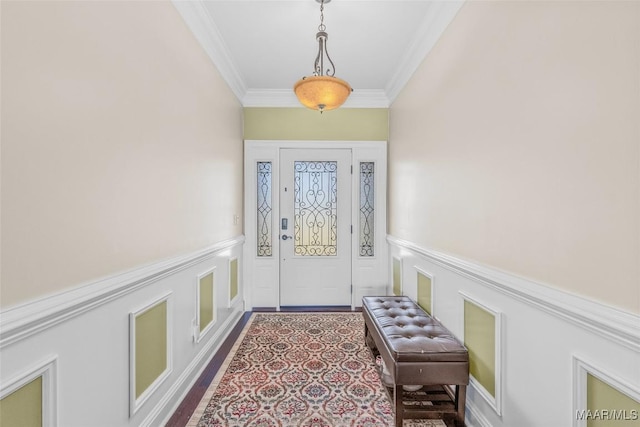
column 190, row 402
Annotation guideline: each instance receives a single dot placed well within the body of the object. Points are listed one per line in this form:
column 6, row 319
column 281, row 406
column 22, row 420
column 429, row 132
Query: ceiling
column 262, row 47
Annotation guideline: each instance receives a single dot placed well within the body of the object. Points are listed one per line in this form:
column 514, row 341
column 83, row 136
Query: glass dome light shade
column 322, row 92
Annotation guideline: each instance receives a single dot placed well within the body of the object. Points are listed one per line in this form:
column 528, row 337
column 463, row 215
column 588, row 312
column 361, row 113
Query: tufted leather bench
column 417, row 350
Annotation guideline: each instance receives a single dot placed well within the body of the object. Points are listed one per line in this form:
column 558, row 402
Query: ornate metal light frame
column 322, row 91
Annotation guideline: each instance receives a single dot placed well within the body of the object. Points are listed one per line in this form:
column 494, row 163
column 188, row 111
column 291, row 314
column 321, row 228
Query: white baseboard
column 474, row 417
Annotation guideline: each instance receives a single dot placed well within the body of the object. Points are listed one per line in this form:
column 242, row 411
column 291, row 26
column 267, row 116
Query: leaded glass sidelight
column 315, row 208
column 367, row 209
column 264, row 210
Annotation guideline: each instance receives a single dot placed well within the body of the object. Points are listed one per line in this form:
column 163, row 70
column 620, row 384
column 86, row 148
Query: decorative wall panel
column 425, row 291
column 482, row 339
column 29, row 399
column 150, row 355
column 397, row 276
column 205, row 302
column 233, row 279
column 23, row 407
column 601, row 399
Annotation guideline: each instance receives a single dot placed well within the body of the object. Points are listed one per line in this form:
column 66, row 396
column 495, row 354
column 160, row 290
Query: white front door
column 315, row 227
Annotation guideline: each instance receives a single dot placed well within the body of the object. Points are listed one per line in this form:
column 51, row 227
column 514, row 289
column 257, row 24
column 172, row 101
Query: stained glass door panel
column 315, row 208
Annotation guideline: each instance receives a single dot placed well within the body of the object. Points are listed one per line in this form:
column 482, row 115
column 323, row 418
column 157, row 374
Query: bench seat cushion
column 410, row 334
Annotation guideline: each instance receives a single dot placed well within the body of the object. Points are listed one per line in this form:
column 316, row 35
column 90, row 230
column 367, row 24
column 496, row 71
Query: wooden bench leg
column 397, row 394
column 368, row 339
column 461, row 397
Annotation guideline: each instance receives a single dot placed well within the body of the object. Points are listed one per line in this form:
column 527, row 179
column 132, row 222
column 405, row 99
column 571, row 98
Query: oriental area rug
column 299, row 370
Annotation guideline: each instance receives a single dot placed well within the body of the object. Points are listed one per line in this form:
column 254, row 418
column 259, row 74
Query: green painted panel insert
column 23, row 407
column 300, row 124
column 233, row 278
column 480, row 340
column 424, row 292
column 608, row 407
column 397, row 271
column 206, row 301
column 151, row 346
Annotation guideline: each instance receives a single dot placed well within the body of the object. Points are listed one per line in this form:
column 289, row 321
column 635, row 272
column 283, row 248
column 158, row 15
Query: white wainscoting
column 543, row 328
column 86, row 331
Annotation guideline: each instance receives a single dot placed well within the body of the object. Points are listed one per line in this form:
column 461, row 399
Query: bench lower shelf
column 429, row 402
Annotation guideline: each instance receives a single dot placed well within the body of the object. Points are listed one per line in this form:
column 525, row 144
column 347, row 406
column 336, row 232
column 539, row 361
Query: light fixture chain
column 322, row 27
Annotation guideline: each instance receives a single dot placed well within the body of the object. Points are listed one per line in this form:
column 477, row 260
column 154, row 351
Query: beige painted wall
column 121, row 143
column 344, row 124
column 516, row 144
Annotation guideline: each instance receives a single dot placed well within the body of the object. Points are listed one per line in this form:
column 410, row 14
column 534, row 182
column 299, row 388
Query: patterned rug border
column 202, row 405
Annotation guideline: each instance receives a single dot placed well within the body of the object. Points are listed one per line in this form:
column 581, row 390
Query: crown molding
column 200, row 22
column 282, row 98
column 367, row 98
column 203, row 27
column 285, row 98
column 438, row 18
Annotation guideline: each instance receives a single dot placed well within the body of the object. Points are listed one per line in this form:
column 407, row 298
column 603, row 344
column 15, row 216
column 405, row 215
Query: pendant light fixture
column 322, row 91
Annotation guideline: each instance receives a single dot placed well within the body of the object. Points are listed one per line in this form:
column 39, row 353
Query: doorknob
column 285, row 237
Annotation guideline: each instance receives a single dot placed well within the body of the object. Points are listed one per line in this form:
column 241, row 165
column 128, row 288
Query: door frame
column 369, row 275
